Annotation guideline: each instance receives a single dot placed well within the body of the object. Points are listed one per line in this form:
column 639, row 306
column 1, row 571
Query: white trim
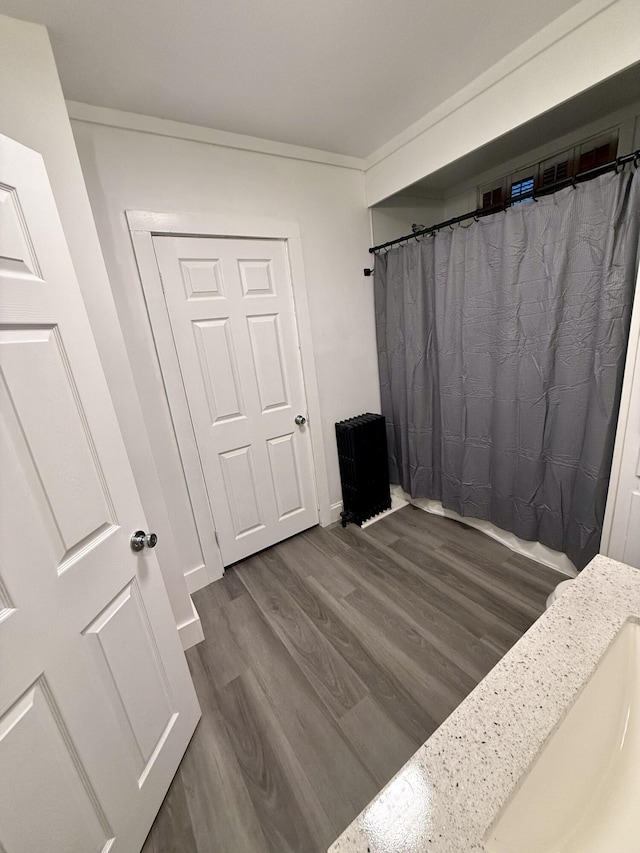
column 191, row 631
column 199, row 224
column 334, row 514
column 628, row 383
column 209, row 136
column 198, row 578
column 143, row 225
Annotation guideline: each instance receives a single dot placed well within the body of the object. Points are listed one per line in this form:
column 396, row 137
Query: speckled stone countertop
column 449, row 793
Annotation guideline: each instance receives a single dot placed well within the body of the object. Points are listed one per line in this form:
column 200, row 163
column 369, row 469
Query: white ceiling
column 338, row 75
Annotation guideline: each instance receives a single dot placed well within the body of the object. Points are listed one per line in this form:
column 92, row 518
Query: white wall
column 33, row 112
column 592, row 41
column 394, row 216
column 127, row 169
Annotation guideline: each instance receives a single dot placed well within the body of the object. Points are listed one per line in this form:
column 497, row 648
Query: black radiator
column 364, row 469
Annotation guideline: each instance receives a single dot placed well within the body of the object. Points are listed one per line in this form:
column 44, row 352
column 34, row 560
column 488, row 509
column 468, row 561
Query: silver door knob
column 300, row 420
column 140, row 539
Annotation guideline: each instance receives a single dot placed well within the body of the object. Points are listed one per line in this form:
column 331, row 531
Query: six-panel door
column 96, row 702
column 232, row 316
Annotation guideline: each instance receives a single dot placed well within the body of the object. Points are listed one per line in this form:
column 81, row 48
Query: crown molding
column 208, row 136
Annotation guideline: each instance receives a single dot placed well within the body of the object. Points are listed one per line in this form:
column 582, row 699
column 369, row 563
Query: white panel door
column 96, row 702
column 231, row 310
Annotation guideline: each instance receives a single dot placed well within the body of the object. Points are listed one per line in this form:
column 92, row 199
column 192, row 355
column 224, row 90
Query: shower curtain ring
column 621, row 165
column 636, row 160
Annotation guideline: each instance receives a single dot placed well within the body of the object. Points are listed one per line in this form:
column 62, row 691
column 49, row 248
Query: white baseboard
column 199, row 577
column 191, row 631
column 533, row 550
column 196, row 578
column 325, row 512
column 336, row 509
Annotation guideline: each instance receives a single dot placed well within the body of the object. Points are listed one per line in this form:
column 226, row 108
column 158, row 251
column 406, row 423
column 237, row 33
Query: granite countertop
column 448, row 794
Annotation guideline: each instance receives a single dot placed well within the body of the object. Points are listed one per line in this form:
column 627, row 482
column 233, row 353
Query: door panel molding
column 33, row 733
column 143, row 226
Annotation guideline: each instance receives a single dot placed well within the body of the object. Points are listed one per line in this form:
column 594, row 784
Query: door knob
column 300, row 420
column 140, row 539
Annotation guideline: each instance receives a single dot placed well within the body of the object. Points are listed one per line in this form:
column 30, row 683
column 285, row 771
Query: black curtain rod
column 552, row 188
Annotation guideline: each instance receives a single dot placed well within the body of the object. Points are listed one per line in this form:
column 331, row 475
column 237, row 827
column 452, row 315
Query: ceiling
column 338, row 75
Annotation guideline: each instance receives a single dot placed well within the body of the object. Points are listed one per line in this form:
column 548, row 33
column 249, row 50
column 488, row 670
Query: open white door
column 96, row 702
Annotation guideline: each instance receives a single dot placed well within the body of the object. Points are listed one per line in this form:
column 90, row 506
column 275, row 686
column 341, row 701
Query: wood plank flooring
column 328, row 659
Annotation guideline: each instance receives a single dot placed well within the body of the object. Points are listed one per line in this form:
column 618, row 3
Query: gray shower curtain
column 501, row 350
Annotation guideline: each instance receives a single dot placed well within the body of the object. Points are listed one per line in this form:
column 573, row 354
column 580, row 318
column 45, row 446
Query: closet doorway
column 224, row 321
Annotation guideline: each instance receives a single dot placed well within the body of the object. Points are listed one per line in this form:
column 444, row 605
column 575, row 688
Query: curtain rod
column 476, row 214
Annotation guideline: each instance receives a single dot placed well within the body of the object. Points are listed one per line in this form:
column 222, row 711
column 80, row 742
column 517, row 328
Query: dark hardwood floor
column 328, row 660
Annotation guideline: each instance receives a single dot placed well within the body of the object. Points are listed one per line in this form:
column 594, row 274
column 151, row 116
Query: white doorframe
column 143, row 226
column 174, row 390
column 629, row 380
